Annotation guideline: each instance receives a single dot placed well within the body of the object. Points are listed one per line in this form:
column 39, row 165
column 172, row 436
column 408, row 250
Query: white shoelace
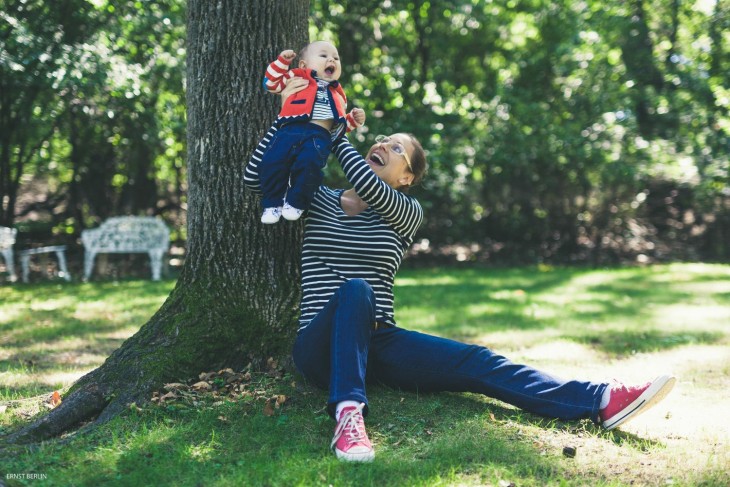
column 351, row 424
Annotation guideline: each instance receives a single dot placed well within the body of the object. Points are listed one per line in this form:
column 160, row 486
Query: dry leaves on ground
column 223, row 385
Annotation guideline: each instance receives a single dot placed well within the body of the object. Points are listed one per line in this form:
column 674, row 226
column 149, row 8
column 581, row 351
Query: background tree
column 574, row 131
column 592, row 131
column 39, row 43
column 235, row 301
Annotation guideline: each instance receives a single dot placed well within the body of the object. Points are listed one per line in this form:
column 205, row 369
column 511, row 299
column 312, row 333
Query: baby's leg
column 306, row 170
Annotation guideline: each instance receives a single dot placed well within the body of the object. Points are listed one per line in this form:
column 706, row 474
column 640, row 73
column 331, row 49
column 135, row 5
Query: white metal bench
column 125, row 235
column 59, row 250
column 7, row 240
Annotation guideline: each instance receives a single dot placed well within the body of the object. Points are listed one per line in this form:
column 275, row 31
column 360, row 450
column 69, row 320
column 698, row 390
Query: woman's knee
column 358, row 291
column 357, row 287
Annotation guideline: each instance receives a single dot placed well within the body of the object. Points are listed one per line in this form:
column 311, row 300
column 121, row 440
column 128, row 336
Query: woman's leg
column 416, row 361
column 332, row 350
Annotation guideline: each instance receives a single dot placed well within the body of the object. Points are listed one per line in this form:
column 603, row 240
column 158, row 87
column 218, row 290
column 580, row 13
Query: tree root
column 81, row 406
column 176, row 342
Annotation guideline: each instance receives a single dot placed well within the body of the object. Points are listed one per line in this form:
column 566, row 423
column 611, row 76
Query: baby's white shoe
column 291, row 213
column 271, row 215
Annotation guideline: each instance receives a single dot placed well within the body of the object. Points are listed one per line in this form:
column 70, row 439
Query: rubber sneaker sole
column 367, row 456
column 658, row 390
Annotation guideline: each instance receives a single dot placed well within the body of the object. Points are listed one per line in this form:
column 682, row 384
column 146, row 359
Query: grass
column 594, row 324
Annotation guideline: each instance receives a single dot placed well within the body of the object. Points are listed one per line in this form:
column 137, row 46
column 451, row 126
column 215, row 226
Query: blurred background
column 582, row 132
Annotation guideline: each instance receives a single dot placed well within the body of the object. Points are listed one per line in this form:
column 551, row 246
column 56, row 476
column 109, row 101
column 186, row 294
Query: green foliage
column 39, row 46
column 107, row 103
column 546, row 123
column 555, row 131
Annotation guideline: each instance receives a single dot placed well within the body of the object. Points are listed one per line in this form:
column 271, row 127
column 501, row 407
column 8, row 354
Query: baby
column 308, row 124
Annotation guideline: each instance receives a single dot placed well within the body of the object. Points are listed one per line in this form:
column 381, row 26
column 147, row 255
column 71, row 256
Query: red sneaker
column 351, row 442
column 628, row 402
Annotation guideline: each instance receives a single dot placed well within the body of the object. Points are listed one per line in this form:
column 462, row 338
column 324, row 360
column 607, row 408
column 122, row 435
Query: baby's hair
column 303, row 51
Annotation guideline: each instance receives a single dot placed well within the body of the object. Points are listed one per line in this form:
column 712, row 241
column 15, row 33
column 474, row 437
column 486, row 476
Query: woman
column 354, row 241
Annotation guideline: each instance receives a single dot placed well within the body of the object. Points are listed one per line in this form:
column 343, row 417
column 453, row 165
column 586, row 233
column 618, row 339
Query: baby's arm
column 355, row 119
column 278, row 72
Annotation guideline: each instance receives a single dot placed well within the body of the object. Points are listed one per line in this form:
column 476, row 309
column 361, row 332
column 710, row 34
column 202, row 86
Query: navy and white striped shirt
column 338, row 247
column 322, row 110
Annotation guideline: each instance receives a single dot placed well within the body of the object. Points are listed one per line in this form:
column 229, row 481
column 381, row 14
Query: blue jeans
column 295, row 156
column 340, row 347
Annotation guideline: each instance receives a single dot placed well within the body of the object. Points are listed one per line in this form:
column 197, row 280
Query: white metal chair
column 7, row 240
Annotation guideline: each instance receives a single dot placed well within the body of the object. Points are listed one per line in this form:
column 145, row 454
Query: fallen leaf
column 168, row 396
column 55, row 399
column 134, row 407
column 280, row 399
column 491, row 416
column 202, row 386
column 174, row 385
column 269, row 408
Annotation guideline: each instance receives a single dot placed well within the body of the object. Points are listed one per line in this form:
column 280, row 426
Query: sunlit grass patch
column 52, row 333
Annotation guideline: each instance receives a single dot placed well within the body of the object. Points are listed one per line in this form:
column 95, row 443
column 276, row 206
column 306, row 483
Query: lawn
column 628, row 323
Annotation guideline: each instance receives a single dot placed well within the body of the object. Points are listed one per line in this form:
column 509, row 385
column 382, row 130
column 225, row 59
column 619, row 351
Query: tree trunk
column 237, row 296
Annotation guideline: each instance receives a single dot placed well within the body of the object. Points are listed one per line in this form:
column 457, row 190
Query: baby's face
column 322, row 57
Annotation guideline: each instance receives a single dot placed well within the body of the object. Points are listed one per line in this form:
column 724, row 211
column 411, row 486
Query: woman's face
column 392, row 167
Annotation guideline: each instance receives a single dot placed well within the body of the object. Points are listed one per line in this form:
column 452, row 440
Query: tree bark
column 237, row 296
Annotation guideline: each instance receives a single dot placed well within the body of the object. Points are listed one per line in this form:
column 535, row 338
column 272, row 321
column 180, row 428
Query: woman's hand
column 294, row 85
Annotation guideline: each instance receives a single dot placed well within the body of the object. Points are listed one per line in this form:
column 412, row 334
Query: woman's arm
column 251, row 174
column 401, row 211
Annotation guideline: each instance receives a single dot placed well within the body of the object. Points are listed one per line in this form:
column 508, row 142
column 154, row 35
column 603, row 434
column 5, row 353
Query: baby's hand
column 288, row 54
column 359, row 115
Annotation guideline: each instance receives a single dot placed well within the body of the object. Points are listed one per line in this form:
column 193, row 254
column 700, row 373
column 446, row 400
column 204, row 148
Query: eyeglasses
column 396, row 147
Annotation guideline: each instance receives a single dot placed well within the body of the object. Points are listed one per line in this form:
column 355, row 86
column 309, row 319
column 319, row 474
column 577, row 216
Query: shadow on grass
column 420, row 440
column 44, row 312
column 628, row 342
column 587, row 306
column 57, row 330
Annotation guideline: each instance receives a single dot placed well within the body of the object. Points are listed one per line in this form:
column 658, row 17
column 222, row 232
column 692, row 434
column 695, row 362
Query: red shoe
column 351, row 442
column 628, row 402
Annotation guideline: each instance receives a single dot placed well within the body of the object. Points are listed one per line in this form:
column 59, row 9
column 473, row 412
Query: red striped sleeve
column 351, row 123
column 276, row 75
